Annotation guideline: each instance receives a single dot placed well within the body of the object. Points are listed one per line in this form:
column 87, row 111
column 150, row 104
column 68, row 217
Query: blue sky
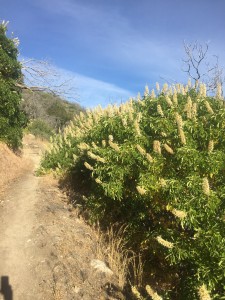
column 112, row 49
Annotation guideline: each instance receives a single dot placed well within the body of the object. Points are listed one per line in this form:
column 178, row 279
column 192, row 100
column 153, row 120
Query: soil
column 47, row 251
column 11, row 166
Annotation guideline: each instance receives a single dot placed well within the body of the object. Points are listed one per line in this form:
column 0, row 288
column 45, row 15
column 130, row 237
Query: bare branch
column 40, row 75
column 209, row 73
column 36, row 88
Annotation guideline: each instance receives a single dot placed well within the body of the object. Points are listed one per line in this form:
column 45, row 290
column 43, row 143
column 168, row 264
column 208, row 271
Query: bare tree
column 40, row 75
column 198, row 66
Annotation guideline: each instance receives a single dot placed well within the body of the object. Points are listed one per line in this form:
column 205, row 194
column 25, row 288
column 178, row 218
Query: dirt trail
column 17, row 221
column 46, row 251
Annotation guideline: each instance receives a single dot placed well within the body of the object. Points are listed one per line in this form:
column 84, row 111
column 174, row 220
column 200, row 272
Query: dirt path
column 46, row 251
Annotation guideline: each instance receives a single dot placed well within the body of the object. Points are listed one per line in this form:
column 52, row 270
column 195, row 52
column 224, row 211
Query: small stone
column 101, row 266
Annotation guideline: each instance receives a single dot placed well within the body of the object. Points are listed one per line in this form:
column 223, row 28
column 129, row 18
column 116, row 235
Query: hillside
column 46, row 112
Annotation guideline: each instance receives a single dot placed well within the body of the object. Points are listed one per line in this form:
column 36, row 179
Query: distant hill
column 47, row 113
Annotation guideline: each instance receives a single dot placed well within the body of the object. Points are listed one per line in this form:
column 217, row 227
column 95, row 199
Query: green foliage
column 57, row 109
column 157, row 164
column 11, row 118
column 40, row 129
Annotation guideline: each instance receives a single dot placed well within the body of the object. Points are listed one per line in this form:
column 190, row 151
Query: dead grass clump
column 112, row 247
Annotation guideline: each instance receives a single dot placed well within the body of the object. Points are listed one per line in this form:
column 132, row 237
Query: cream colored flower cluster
column 144, row 153
column 208, row 107
column 179, row 213
column 205, row 186
column 4, row 24
column 95, row 157
column 164, row 242
column 136, row 293
column 114, row 146
column 137, row 124
column 157, row 147
column 211, row 146
column 88, row 166
column 141, row 150
column 180, row 128
column 16, row 41
column 175, row 101
column 168, row 101
column 141, row 190
column 153, row 293
column 159, row 110
column 202, row 90
column 97, row 180
column 168, row 148
column 188, row 108
column 204, row 293
column 83, row 146
column 173, row 90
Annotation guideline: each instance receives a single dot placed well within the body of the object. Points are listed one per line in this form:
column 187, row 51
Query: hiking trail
column 46, row 249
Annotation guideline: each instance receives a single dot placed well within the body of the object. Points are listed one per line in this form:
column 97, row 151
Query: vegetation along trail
column 46, row 251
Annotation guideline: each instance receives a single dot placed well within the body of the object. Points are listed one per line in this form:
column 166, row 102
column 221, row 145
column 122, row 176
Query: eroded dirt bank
column 46, row 250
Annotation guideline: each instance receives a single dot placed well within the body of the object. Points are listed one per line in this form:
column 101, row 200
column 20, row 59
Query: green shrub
column 11, row 118
column 40, row 129
column 157, row 164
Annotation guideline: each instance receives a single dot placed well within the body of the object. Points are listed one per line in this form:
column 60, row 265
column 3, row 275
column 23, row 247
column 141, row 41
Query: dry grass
column 11, row 166
column 111, row 246
column 137, row 269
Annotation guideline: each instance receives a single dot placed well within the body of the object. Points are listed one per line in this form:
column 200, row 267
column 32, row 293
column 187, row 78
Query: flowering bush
column 157, row 164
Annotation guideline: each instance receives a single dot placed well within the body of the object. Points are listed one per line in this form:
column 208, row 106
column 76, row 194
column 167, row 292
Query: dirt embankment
column 11, row 166
column 46, row 250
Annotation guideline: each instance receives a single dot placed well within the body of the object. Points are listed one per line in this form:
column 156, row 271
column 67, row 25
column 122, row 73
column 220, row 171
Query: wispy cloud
column 112, row 36
column 121, row 53
column 89, row 92
column 92, row 92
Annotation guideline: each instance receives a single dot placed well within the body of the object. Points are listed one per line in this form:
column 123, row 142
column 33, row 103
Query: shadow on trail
column 6, row 289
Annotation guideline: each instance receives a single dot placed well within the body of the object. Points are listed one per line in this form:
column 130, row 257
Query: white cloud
column 111, row 38
column 93, row 92
column 111, row 35
column 89, row 92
